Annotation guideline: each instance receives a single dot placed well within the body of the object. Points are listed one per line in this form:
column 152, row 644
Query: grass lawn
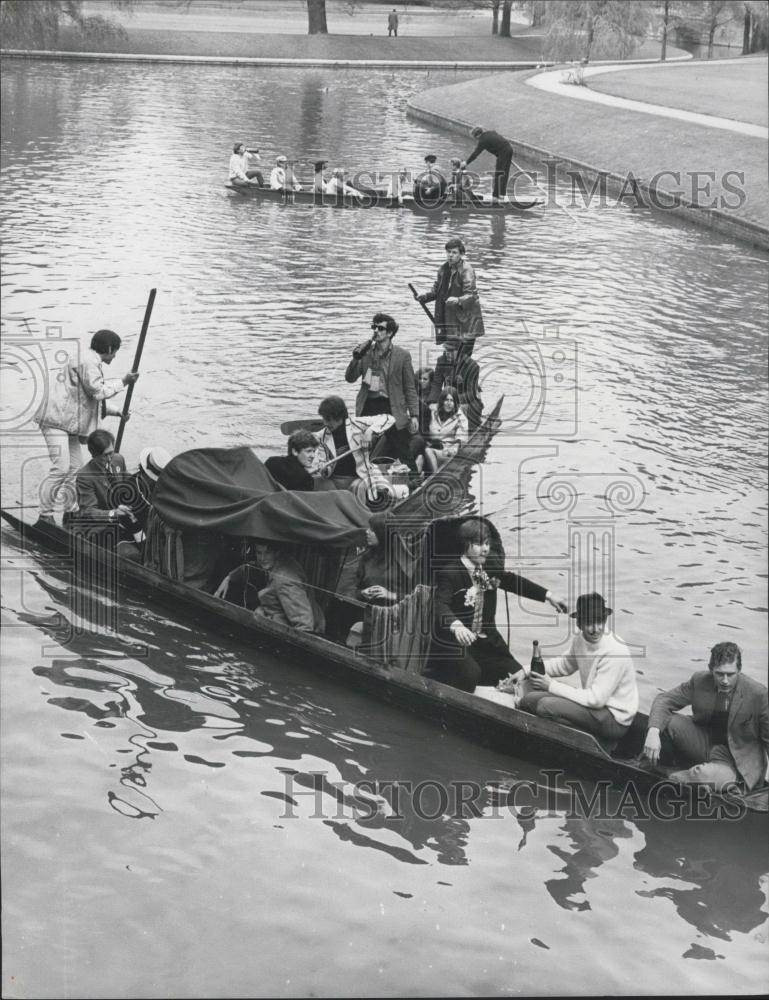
column 736, row 90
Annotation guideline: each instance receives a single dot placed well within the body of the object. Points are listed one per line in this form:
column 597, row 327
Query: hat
column 590, row 608
column 280, row 159
column 153, row 460
column 430, row 158
column 320, row 164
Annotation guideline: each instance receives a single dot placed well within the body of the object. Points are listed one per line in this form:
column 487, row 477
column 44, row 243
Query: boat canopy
column 230, row 492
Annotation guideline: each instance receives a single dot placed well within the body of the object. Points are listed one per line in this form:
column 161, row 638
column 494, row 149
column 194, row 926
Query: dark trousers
column 486, row 662
column 396, row 442
column 501, row 174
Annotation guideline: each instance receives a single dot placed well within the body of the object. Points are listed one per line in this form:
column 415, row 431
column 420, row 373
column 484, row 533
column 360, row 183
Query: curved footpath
column 665, row 161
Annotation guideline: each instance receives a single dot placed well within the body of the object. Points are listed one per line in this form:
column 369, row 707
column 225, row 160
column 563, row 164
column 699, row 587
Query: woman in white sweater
column 606, row 701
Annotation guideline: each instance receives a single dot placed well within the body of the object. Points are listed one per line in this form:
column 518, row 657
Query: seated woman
column 448, row 428
column 338, row 185
column 381, row 577
column 294, row 469
column 606, row 701
column 423, row 380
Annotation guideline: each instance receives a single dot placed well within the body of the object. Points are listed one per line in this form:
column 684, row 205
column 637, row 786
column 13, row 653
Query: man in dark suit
column 387, row 385
column 102, row 487
column 726, row 738
column 467, row 648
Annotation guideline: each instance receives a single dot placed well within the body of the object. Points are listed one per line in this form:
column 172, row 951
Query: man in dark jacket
column 726, row 738
column 387, row 385
column 293, row 470
column 101, row 489
column 457, row 305
column 496, row 144
column 467, row 648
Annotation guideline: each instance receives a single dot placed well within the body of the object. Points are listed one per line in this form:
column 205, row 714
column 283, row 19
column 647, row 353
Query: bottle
column 537, row 663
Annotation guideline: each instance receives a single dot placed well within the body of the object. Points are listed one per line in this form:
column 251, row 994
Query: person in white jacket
column 69, row 412
column 606, row 701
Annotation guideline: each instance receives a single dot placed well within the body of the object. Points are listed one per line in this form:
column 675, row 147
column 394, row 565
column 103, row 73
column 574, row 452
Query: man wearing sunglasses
column 387, row 385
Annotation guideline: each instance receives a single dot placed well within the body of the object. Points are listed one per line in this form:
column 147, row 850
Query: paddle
column 333, row 459
column 312, row 424
column 137, row 359
column 415, row 293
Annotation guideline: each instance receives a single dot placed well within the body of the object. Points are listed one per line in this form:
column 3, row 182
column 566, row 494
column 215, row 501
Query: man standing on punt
column 458, row 313
column 726, row 739
column 488, row 141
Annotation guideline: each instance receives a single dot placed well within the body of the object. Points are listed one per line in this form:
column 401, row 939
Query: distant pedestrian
column 392, row 23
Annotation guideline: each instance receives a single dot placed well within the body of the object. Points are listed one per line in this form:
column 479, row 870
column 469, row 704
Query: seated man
column 726, row 738
column 351, row 438
column 100, row 484
column 430, row 186
column 239, row 165
column 294, row 469
column 467, row 649
column 606, row 701
column 318, row 180
column 287, row 599
column 282, row 176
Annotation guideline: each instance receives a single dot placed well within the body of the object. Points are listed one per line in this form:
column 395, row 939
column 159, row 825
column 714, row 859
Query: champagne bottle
column 537, row 663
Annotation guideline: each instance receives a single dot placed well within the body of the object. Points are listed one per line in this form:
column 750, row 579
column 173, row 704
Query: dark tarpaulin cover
column 229, row 491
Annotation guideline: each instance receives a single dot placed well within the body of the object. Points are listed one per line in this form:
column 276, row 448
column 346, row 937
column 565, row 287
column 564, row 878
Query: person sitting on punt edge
column 239, row 166
column 338, row 185
column 467, row 649
column 294, row 470
column 606, row 702
column 69, row 412
column 282, row 176
column 725, row 741
column 430, row 186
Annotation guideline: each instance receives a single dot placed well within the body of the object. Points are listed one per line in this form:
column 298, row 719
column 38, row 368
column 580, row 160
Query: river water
column 158, row 838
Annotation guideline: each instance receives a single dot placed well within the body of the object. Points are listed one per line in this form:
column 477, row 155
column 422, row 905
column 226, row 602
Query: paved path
column 553, row 82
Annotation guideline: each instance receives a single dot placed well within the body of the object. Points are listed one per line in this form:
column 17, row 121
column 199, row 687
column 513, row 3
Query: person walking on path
column 69, row 412
column 488, row 141
column 392, row 23
column 457, row 305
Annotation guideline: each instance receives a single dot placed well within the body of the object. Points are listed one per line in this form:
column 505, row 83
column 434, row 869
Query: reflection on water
column 113, row 182
column 199, row 732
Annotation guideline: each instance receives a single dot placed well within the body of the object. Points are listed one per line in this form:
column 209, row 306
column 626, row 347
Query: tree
column 581, row 29
column 755, row 26
column 316, row 17
column 717, row 14
column 504, row 30
column 36, row 23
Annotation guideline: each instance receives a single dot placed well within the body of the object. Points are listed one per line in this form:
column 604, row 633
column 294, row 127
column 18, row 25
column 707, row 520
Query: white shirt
column 281, row 178
column 239, row 165
column 606, row 674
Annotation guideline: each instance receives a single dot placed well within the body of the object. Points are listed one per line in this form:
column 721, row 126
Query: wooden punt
column 506, row 729
column 473, row 204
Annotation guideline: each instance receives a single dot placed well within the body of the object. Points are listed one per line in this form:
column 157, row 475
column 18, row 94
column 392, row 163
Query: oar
column 415, row 293
column 312, row 424
column 334, row 459
column 137, row 359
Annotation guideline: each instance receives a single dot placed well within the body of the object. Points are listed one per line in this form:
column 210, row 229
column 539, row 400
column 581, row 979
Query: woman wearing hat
column 606, row 701
column 282, row 176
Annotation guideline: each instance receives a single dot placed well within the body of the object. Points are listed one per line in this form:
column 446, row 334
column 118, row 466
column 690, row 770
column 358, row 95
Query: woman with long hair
column 448, row 428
